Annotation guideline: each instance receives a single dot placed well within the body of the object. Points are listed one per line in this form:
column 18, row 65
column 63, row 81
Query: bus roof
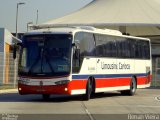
column 74, row 29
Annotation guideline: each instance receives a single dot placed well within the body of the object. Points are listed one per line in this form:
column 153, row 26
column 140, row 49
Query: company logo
column 120, row 66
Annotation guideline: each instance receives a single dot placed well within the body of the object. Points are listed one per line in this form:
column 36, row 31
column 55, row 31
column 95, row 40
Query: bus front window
column 46, row 55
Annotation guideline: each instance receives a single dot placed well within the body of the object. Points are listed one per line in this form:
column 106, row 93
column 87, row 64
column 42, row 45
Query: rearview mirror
column 77, row 54
column 15, row 46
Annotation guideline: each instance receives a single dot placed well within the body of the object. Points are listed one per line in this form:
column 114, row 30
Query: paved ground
column 146, row 101
column 8, row 91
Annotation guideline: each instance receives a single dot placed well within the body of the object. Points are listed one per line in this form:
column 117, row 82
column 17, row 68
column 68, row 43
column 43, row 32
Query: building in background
column 7, row 63
column 136, row 17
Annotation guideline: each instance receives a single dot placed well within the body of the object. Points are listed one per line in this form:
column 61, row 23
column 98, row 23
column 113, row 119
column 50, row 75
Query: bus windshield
column 45, row 55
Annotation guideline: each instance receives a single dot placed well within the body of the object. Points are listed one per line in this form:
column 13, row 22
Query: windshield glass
column 46, row 55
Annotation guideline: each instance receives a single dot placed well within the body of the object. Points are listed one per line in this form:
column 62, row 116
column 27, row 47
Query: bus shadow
column 106, row 95
column 153, row 87
column 68, row 98
column 15, row 97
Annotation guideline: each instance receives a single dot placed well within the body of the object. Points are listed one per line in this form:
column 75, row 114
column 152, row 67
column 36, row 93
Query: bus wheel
column 132, row 90
column 89, row 89
column 46, row 96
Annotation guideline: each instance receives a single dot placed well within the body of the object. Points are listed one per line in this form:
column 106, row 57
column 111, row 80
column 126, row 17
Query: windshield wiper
column 48, row 61
column 36, row 62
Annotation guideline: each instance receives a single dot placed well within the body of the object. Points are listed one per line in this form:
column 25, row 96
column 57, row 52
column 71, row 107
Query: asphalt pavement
column 107, row 106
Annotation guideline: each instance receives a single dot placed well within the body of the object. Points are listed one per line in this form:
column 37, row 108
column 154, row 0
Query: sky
column 47, row 10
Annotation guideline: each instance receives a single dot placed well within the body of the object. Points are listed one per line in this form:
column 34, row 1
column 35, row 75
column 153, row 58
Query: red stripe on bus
column 80, row 84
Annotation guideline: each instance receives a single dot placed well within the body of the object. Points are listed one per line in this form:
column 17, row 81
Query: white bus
column 83, row 60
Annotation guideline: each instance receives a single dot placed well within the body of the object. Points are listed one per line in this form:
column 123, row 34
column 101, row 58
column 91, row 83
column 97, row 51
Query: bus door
column 85, row 44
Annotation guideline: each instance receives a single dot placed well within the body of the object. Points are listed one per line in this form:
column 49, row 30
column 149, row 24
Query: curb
column 8, row 91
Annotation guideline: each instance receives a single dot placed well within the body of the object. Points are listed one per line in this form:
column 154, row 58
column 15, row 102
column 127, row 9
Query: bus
column 82, row 61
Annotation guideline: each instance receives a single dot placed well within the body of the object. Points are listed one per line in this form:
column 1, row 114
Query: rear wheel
column 133, row 87
column 89, row 90
column 45, row 96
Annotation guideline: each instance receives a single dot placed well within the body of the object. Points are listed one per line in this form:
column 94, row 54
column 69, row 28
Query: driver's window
column 86, row 45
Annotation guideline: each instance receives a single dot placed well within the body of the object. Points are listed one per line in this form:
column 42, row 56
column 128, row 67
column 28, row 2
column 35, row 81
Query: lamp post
column 29, row 23
column 37, row 18
column 15, row 60
column 20, row 3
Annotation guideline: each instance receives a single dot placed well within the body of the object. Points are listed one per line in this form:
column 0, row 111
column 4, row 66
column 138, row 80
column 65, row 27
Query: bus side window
column 105, row 46
column 147, row 50
column 75, row 61
column 137, row 50
column 122, row 47
column 86, row 47
column 131, row 47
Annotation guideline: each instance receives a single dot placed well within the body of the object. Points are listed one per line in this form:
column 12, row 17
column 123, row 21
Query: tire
column 132, row 90
column 45, row 96
column 89, row 90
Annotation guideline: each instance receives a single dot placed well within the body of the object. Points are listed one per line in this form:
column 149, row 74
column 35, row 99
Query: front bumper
column 50, row 89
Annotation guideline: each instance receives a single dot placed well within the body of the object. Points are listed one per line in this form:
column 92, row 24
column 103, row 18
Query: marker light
column 66, row 89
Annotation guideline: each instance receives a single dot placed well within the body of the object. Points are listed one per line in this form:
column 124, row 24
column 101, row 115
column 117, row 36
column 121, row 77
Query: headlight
column 61, row 82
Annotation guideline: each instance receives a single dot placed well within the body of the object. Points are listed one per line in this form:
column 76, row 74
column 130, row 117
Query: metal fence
column 156, row 72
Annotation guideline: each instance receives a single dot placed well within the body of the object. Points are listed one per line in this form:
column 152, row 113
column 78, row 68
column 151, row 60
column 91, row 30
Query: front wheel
column 89, row 90
column 132, row 90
